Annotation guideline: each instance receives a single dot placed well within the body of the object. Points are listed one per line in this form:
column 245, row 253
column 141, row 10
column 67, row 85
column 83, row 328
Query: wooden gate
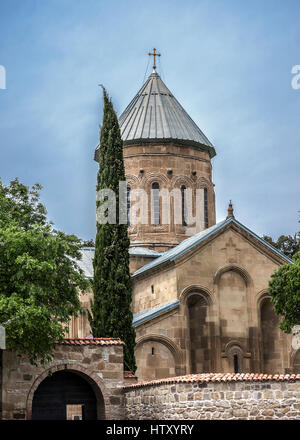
column 64, row 395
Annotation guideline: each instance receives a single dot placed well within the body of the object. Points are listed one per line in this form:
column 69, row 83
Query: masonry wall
column 227, row 277
column 245, row 400
column 171, row 166
column 100, row 365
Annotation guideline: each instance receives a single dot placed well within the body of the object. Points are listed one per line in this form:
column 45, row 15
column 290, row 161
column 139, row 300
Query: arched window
column 155, row 204
column 235, row 355
column 205, row 208
column 183, row 205
column 236, row 363
column 128, row 205
column 199, row 333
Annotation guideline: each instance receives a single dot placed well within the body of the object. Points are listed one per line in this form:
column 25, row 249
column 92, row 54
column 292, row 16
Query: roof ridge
column 197, row 238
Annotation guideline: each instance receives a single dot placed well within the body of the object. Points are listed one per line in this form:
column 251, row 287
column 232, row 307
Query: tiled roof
column 138, row 318
column 220, row 377
column 154, row 113
column 198, row 238
column 136, row 251
column 92, row 341
column 87, row 253
column 129, row 375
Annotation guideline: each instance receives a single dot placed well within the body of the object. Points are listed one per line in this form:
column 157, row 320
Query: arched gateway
column 67, row 395
column 83, row 381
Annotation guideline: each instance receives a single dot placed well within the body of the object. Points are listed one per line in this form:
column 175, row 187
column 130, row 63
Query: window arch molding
column 132, row 181
column 151, row 178
column 167, row 342
column 232, row 349
column 196, row 290
column 202, row 182
column 235, row 268
column 180, row 180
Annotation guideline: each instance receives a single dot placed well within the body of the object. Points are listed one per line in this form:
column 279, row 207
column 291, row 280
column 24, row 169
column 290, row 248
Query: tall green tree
column 284, row 288
column 111, row 307
column 284, row 285
column 287, row 244
column 39, row 277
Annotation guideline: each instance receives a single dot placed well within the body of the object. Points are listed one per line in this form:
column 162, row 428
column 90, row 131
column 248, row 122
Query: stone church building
column 200, row 300
column 200, row 297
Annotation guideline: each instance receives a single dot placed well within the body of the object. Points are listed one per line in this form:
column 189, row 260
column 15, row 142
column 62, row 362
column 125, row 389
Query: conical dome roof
column 154, row 114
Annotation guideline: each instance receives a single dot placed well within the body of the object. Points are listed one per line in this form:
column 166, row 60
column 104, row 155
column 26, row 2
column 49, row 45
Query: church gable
column 230, row 247
column 220, row 278
column 249, row 241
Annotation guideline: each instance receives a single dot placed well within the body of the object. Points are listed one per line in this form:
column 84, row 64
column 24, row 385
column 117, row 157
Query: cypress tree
column 111, row 308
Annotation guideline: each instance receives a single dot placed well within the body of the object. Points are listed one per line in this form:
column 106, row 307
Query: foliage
column 88, row 243
column 111, row 307
column 39, row 276
column 287, row 244
column 284, row 287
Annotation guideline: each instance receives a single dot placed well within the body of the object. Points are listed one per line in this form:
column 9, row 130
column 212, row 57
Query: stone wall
column 215, row 396
column 98, row 361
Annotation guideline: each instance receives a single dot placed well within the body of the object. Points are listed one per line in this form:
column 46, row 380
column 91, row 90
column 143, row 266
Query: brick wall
column 215, row 396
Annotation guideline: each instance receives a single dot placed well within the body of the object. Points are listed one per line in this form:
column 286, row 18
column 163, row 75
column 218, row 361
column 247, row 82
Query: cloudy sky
column 227, row 62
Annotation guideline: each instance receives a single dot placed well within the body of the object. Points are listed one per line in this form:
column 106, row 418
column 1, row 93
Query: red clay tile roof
column 92, row 341
column 220, row 377
column 129, row 375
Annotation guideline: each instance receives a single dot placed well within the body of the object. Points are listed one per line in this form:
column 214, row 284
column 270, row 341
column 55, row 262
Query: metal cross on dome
column 154, row 54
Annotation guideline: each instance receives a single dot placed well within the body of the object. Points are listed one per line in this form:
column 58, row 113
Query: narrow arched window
column 128, row 205
column 205, row 208
column 155, row 204
column 236, row 363
column 183, row 205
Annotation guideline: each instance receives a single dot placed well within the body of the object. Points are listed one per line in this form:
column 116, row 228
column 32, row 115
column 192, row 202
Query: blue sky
column 227, row 62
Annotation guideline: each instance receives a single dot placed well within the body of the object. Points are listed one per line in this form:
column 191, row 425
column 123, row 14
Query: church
column 200, row 298
column 200, row 302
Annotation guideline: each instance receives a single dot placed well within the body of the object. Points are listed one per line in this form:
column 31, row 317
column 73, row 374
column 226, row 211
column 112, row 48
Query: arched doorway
column 296, row 363
column 270, row 337
column 66, row 395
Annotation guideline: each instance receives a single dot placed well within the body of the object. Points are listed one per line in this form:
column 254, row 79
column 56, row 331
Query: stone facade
column 170, row 165
column 221, row 318
column 101, row 365
column 215, row 397
column 224, row 321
